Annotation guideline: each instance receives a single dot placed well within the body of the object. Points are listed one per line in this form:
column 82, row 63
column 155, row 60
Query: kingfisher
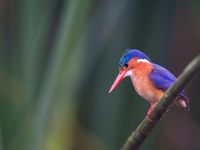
column 150, row 80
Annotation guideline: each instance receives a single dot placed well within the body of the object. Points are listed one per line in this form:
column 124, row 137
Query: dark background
column 59, row 58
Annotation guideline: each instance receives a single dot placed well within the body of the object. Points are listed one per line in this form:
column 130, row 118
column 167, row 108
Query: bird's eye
column 125, row 65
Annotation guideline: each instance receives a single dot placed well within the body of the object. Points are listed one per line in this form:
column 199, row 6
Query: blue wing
column 163, row 79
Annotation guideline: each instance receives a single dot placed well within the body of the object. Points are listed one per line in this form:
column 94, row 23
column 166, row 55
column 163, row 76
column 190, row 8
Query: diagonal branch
column 144, row 128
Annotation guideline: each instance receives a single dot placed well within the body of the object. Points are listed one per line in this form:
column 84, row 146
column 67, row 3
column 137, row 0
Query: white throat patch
column 128, row 74
column 143, row 60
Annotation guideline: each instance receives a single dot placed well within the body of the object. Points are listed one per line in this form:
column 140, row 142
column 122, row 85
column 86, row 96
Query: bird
column 150, row 80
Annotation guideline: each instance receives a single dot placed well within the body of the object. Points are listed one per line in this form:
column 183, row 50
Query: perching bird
column 149, row 80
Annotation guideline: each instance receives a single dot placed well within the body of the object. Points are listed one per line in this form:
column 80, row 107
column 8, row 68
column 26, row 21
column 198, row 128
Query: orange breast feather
column 143, row 86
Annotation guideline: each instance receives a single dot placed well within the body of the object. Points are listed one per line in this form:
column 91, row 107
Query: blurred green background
column 58, row 59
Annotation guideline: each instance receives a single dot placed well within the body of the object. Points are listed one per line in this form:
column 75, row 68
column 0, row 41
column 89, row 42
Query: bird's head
column 129, row 60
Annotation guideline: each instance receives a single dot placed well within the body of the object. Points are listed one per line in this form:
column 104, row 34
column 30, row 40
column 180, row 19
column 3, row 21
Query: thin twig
column 145, row 127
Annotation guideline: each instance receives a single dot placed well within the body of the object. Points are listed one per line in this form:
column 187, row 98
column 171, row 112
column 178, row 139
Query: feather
column 129, row 54
column 163, row 79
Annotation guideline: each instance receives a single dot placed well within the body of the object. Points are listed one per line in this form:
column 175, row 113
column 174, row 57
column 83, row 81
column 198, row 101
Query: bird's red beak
column 118, row 79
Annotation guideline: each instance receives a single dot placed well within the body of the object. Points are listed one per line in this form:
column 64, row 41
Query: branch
column 144, row 128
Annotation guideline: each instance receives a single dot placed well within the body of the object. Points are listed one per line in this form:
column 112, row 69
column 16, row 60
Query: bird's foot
column 150, row 110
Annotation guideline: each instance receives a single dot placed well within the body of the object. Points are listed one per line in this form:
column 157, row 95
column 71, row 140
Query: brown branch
column 145, row 127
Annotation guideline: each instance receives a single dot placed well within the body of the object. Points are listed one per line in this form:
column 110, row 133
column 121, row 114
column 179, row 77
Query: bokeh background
column 58, row 59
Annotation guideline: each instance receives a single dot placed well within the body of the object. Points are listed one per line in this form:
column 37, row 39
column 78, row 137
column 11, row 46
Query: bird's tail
column 182, row 103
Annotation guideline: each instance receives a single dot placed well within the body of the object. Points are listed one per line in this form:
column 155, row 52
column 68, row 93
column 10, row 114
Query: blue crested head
column 129, row 54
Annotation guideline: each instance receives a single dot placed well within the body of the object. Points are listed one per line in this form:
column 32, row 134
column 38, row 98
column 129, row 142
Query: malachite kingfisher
column 149, row 79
